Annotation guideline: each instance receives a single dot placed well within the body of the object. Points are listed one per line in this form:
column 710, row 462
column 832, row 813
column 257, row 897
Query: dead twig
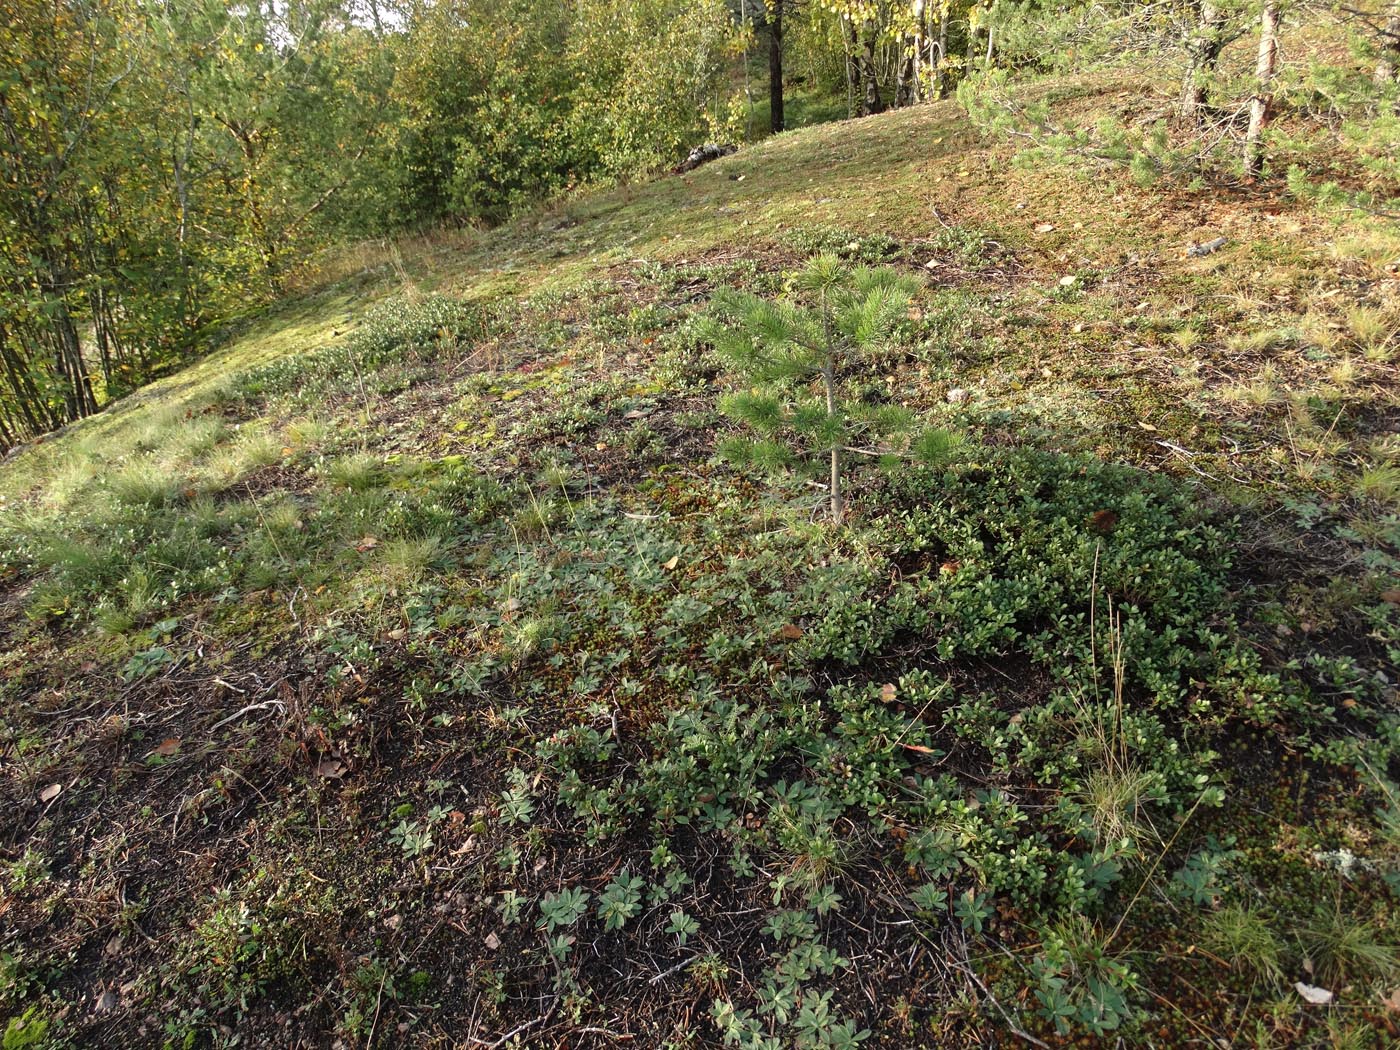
column 503, row 1040
column 246, row 710
column 1020, row 1033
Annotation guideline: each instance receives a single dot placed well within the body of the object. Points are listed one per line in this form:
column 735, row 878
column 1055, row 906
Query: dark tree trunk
column 21, row 385
column 871, row 102
column 905, row 90
column 1390, row 50
column 1203, row 54
column 776, row 121
column 852, row 68
column 68, row 359
column 940, row 69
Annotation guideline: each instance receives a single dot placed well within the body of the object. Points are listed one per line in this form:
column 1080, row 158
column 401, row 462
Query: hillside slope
column 411, row 672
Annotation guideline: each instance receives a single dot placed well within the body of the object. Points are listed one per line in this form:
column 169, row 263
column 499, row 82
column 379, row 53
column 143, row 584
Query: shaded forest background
column 168, row 167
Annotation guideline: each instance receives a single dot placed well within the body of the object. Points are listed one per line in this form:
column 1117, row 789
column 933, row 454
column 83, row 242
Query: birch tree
column 1261, row 104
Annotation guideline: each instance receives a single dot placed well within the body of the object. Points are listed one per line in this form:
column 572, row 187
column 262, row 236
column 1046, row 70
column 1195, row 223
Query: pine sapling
column 800, row 356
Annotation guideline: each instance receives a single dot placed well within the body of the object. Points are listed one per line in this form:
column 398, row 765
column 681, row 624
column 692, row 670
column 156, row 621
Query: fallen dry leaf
column 50, row 793
column 331, row 768
column 887, row 693
column 368, row 543
column 790, row 632
column 492, row 942
column 1392, row 1001
column 919, row 748
column 1103, row 521
column 1045, row 227
column 670, row 563
column 168, row 747
column 1393, row 597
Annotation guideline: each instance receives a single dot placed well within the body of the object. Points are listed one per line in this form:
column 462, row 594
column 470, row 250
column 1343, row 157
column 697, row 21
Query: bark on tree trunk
column 26, row 394
column 904, row 92
column 1390, row 50
column 67, row 355
column 1203, row 53
column 852, row 68
column 776, row 120
column 871, row 102
column 920, row 34
column 941, row 68
column 1261, row 103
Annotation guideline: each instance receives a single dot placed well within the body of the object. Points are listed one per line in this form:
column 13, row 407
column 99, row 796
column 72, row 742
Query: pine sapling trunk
column 838, row 503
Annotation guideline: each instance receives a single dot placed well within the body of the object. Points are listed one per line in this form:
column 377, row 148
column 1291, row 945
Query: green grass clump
column 400, row 330
column 1342, row 946
column 145, row 484
column 1244, row 938
column 357, row 473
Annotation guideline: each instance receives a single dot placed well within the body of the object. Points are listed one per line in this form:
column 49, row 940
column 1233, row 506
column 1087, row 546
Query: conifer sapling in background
column 801, row 356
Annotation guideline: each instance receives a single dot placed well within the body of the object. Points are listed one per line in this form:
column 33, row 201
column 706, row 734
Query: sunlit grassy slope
column 910, row 175
column 409, row 670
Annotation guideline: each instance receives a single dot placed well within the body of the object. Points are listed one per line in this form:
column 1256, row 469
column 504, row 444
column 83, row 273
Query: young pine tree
column 801, row 356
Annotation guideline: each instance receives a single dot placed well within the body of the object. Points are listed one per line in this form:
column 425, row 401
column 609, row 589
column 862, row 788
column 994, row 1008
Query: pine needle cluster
column 802, row 357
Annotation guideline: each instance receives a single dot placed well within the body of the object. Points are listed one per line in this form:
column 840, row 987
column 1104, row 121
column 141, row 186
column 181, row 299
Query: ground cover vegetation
column 881, row 588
